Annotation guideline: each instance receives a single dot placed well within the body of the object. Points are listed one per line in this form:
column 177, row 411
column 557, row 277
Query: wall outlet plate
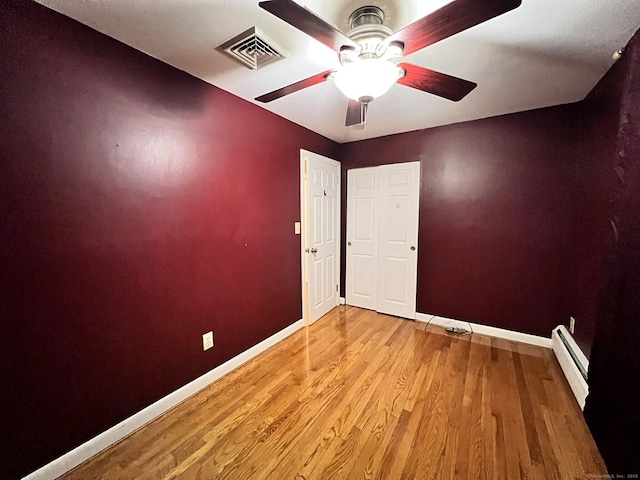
column 207, row 341
column 572, row 325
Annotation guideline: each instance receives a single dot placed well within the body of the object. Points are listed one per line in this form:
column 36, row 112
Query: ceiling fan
column 369, row 52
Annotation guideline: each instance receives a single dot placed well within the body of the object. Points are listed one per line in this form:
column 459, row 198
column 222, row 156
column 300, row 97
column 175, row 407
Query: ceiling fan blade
column 449, row 20
column 294, row 87
column 436, row 83
column 307, row 22
column 355, row 113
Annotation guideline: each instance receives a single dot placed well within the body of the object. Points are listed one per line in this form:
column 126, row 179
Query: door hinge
column 337, row 290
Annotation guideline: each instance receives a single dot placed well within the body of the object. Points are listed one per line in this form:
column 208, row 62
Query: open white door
column 382, row 238
column 320, row 234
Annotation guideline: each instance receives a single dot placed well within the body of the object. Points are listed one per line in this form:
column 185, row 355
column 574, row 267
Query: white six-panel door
column 382, row 238
column 362, row 237
column 322, row 234
column 398, row 194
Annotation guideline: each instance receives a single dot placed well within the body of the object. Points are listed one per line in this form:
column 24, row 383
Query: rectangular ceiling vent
column 254, row 49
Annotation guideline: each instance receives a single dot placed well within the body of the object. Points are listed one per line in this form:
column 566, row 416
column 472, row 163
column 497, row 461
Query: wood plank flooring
column 359, row 395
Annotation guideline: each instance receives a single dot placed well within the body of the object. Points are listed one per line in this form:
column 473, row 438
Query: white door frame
column 304, row 231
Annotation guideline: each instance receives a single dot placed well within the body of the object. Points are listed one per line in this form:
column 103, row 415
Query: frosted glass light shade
column 366, row 78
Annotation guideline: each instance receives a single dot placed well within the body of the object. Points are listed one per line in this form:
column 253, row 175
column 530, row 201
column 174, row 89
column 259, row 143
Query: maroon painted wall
column 611, row 410
column 140, row 208
column 497, row 199
column 598, row 125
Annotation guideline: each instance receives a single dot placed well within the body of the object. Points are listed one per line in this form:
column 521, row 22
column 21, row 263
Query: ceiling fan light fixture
column 366, row 78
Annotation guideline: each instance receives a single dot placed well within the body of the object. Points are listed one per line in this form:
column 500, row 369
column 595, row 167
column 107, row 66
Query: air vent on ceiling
column 254, row 49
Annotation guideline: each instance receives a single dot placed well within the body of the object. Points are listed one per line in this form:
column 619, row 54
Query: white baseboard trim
column 571, row 371
column 343, row 301
column 104, row 440
column 485, row 330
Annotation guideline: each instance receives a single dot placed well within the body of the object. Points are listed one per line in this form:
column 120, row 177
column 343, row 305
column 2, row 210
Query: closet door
column 362, row 237
column 398, row 200
column 382, row 238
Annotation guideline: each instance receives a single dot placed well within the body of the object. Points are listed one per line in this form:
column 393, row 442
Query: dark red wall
column 140, row 208
column 598, row 125
column 611, row 410
column 496, row 206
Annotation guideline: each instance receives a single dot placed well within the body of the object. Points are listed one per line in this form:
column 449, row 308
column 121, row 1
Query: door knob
column 413, row 247
column 314, row 250
column 349, row 243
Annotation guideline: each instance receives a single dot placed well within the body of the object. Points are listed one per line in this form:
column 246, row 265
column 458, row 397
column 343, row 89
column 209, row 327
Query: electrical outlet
column 572, row 325
column 207, row 341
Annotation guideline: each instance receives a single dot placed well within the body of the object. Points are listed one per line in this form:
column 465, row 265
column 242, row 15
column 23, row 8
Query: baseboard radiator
column 573, row 362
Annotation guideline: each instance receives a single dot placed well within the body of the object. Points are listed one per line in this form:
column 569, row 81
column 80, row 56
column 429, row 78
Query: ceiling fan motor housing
column 367, row 15
column 369, row 32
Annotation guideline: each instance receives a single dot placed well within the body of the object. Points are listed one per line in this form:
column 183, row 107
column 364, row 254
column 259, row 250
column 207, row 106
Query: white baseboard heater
column 573, row 362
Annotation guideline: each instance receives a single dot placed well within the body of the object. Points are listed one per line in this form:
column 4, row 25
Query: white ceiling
column 546, row 52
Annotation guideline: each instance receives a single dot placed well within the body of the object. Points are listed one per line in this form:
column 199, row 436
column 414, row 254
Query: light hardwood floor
column 363, row 395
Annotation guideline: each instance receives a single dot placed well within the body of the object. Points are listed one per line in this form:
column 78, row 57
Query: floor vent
column 254, row 49
column 573, row 362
